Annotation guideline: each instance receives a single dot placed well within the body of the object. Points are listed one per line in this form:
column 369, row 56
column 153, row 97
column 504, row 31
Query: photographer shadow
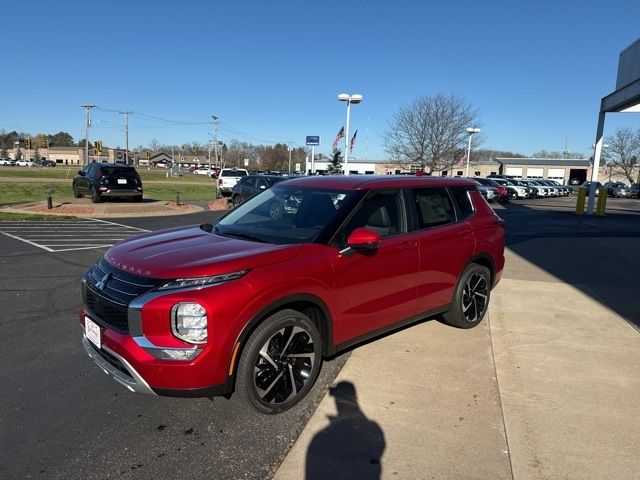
column 350, row 447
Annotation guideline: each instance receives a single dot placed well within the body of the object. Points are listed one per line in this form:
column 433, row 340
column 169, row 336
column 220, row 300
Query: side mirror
column 80, row 172
column 363, row 239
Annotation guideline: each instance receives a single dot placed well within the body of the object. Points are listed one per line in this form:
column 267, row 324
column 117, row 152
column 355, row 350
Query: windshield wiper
column 242, row 235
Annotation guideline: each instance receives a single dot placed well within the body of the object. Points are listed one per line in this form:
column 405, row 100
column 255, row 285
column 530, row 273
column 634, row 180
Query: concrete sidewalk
column 546, row 387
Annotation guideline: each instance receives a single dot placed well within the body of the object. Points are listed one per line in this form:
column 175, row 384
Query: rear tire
column 470, row 298
column 95, row 196
column 76, row 194
column 137, row 198
column 279, row 363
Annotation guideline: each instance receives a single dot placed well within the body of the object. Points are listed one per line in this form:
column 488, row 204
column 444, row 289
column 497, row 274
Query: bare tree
column 623, row 151
column 155, row 145
column 557, row 154
column 431, row 132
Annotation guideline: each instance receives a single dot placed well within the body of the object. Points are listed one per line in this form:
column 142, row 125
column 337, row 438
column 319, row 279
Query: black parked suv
column 251, row 185
column 107, row 180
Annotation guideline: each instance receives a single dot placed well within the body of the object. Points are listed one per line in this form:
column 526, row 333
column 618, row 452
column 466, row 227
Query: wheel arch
column 310, row 305
column 486, row 260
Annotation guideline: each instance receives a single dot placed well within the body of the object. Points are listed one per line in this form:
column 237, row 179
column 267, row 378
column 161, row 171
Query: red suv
column 253, row 302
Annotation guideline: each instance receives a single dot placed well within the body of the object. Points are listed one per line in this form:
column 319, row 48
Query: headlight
column 189, row 322
column 202, row 281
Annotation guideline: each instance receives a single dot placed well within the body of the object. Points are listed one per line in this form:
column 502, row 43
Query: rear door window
column 433, row 207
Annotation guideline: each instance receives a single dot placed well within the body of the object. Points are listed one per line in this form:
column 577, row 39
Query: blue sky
column 271, row 71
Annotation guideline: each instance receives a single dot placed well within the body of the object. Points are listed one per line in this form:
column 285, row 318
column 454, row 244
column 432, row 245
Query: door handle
column 408, row 244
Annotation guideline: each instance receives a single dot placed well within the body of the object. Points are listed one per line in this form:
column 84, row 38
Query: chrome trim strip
column 135, row 384
column 157, row 351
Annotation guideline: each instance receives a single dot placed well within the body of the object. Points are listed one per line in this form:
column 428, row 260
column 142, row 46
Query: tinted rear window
column 118, row 172
column 233, row 173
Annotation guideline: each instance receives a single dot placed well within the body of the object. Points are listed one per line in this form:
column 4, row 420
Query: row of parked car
column 505, row 188
column 6, row 162
column 617, row 189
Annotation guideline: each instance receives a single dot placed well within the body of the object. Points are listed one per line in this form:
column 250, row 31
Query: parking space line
column 27, row 241
column 69, row 235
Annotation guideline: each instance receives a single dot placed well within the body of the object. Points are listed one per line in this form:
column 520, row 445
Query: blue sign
column 313, row 140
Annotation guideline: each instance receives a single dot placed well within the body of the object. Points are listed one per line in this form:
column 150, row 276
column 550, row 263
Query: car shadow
column 350, row 447
column 593, row 254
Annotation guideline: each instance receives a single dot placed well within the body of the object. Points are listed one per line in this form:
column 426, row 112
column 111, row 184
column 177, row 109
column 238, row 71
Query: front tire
column 76, row 194
column 470, row 298
column 280, row 362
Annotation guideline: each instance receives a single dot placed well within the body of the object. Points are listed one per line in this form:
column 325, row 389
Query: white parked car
column 5, row 162
column 228, row 179
column 203, row 171
column 25, row 163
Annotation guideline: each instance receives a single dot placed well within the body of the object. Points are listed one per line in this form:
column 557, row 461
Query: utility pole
column 214, row 127
column 87, row 124
column 290, row 150
column 126, row 134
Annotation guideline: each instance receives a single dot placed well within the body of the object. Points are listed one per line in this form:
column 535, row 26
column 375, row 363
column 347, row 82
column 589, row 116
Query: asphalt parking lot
column 62, row 418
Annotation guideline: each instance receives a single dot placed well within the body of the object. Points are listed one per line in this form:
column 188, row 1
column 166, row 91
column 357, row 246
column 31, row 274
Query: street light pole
column 290, row 149
column 356, row 98
column 470, row 131
column 87, row 124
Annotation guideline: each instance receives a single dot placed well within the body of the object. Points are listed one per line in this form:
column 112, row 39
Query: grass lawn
column 16, row 217
column 70, row 172
column 11, row 193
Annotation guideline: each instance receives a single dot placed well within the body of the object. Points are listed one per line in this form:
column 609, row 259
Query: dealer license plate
column 122, row 181
column 93, row 332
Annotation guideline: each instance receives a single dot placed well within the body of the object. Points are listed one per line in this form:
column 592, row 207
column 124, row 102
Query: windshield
column 285, row 215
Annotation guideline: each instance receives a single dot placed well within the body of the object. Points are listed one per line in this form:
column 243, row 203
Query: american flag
column 353, row 141
column 338, row 137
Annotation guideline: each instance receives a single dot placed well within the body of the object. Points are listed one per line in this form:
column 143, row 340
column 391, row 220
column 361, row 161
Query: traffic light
column 97, row 146
column 148, row 153
column 27, row 144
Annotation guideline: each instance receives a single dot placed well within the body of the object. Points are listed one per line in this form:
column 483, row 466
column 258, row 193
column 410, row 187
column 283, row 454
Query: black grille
column 110, row 303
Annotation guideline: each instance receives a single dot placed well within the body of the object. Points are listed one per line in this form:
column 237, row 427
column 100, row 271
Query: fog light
column 175, row 354
column 189, row 322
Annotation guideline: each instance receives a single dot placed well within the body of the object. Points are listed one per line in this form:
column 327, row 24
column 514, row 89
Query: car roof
column 366, row 182
column 116, row 165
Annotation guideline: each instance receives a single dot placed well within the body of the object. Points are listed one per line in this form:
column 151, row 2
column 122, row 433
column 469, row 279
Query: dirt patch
column 219, row 204
column 63, row 210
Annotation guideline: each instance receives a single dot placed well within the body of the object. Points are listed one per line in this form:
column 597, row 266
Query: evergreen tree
column 18, row 155
column 3, row 153
column 335, row 167
column 36, row 156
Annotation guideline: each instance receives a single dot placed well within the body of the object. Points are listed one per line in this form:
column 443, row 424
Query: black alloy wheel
column 474, row 297
column 280, row 362
column 470, row 298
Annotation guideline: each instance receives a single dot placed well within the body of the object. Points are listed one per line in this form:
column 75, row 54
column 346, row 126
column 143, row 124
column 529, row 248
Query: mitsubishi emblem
column 103, row 283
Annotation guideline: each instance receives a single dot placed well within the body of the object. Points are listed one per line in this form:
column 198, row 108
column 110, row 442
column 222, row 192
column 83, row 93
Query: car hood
column 187, row 252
